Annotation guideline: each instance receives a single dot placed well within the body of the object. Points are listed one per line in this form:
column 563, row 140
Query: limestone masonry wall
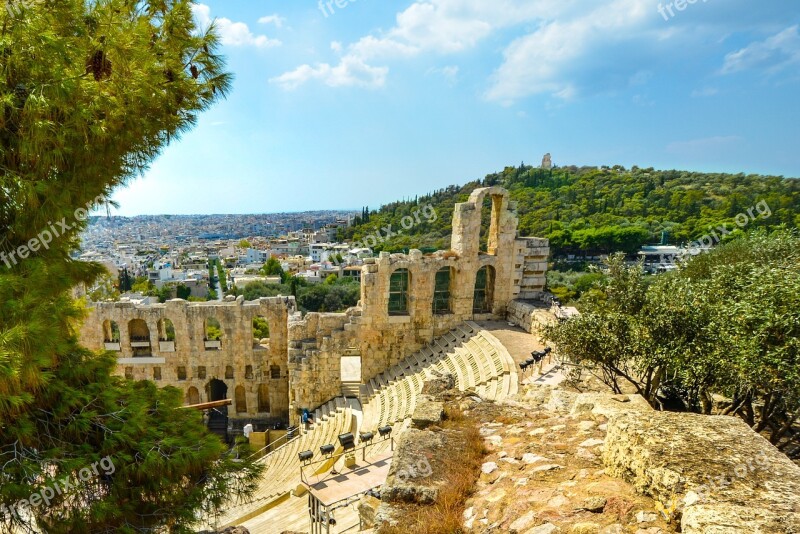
column 188, row 364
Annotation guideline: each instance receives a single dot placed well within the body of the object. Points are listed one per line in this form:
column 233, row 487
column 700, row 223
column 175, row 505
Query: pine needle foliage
column 90, row 93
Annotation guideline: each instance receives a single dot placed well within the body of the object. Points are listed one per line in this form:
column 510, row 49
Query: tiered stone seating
column 475, row 358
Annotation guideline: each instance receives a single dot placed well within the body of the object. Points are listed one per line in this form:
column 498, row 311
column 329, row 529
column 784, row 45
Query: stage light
column 347, row 441
column 305, row 456
column 366, row 437
column 385, row 431
column 327, row 449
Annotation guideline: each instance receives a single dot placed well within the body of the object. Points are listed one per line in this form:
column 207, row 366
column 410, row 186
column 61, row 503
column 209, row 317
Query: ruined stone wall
column 531, row 268
column 531, row 316
column 237, row 354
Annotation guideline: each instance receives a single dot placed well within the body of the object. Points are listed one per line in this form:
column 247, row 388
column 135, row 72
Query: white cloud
column 371, row 48
column 773, row 54
column 231, row 33
column 566, row 48
column 427, row 26
column 349, row 72
column 352, row 70
column 545, row 61
column 202, row 14
column 275, row 19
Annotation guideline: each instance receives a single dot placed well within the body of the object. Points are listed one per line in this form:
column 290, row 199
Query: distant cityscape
column 178, row 249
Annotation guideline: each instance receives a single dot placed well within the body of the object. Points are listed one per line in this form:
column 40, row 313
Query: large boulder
column 607, row 405
column 428, row 412
column 416, row 466
column 713, row 471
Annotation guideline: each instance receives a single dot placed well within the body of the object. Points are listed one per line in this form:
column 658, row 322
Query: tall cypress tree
column 91, row 92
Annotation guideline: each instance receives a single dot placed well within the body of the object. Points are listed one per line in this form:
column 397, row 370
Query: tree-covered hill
column 590, row 210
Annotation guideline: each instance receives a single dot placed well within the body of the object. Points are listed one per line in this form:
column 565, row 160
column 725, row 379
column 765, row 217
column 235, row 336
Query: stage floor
column 331, row 488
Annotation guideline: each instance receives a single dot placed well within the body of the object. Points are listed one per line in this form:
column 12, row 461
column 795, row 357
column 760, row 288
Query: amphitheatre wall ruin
column 407, row 300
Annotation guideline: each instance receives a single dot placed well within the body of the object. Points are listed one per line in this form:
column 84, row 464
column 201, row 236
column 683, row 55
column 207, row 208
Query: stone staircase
column 351, row 390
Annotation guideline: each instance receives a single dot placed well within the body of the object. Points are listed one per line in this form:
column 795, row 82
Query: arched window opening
column 263, row 398
column 192, row 396
column 398, row 292
column 110, row 332
column 441, row 291
column 260, row 332
column 484, row 290
column 166, row 335
column 213, row 334
column 139, row 335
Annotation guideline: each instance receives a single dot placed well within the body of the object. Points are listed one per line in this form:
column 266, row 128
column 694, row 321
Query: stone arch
column 216, row 390
column 212, row 333
column 138, row 330
column 166, row 330
column 192, row 396
column 442, row 290
column 399, row 287
column 260, row 328
column 240, row 399
column 483, row 293
column 473, row 233
column 218, row 418
column 139, row 336
column 111, row 331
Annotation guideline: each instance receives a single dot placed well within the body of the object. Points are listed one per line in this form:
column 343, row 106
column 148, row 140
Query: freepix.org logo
column 668, row 11
column 46, row 236
column 61, row 488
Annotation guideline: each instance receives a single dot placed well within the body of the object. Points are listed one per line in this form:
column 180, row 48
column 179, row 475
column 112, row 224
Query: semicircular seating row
column 475, row 358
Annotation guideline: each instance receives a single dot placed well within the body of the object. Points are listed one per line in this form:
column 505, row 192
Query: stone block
column 725, row 477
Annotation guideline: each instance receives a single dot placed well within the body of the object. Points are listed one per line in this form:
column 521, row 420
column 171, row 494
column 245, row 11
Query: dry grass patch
column 460, row 470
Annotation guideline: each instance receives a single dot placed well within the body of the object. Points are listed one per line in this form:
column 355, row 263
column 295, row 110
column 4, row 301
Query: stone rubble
column 544, row 473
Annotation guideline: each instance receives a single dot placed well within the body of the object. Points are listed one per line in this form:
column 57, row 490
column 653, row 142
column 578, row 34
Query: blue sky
column 367, row 101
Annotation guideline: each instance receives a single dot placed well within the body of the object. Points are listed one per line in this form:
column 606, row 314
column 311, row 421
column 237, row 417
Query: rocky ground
column 544, row 474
